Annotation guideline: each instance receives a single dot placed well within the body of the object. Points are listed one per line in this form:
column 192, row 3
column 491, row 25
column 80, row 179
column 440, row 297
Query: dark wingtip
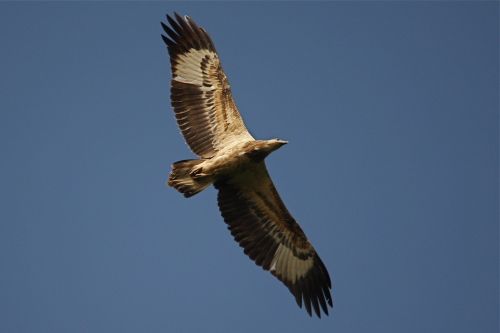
column 179, row 18
column 185, row 34
column 165, row 39
column 313, row 292
column 164, row 26
column 170, row 19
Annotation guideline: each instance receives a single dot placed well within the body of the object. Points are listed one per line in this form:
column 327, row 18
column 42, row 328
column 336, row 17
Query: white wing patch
column 188, row 69
column 287, row 265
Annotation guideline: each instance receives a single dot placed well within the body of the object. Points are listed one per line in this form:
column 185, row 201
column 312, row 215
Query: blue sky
column 391, row 111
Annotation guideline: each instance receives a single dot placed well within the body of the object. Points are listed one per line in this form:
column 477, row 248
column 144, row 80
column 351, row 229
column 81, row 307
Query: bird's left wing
column 200, row 92
column 270, row 236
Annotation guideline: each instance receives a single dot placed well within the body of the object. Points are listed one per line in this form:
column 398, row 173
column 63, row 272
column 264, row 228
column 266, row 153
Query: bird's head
column 274, row 144
column 261, row 148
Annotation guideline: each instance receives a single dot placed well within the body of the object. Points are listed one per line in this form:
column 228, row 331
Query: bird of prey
column 233, row 161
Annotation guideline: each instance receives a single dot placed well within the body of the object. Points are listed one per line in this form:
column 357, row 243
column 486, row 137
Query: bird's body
column 233, row 161
column 239, row 158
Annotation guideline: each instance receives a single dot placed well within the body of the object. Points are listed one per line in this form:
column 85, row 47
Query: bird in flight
column 233, row 161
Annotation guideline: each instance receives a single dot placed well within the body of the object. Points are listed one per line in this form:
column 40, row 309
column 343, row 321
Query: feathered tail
column 180, row 178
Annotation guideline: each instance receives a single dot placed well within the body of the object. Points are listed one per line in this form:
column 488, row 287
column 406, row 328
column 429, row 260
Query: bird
column 232, row 161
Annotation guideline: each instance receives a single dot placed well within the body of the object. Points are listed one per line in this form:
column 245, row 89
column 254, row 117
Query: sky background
column 391, row 111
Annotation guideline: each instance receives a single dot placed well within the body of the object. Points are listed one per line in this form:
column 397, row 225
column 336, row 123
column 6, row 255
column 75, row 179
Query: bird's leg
column 197, row 172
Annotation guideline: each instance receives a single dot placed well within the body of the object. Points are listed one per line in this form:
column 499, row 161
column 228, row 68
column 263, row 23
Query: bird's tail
column 181, row 178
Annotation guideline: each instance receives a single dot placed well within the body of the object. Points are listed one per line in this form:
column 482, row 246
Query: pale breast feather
column 200, row 92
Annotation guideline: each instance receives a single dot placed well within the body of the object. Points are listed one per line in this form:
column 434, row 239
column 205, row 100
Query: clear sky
column 391, row 111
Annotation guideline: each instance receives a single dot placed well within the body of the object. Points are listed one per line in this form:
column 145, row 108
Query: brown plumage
column 233, row 161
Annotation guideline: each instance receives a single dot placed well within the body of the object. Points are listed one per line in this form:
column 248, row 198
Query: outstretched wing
column 269, row 235
column 200, row 92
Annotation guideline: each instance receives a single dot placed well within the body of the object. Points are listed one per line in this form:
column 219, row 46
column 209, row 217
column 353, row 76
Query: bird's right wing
column 200, row 92
column 270, row 236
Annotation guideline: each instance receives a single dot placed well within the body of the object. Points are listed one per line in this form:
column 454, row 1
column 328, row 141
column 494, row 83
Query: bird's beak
column 282, row 142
